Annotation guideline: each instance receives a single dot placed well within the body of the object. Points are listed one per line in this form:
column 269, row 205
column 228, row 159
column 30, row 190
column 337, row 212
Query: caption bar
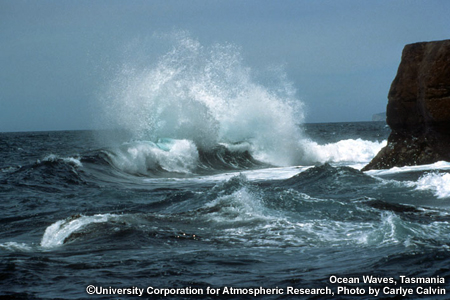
column 374, row 286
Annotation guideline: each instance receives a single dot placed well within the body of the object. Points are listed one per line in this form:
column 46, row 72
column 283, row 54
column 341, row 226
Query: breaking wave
column 174, row 156
column 206, row 101
column 206, row 95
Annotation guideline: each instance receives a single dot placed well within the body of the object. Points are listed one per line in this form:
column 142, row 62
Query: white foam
column 440, row 165
column 139, row 157
column 56, row 233
column 350, row 150
column 250, row 223
column 69, row 160
column 240, row 147
column 240, row 206
column 389, row 229
column 14, row 247
column 10, row 169
column 438, row 183
column 278, row 173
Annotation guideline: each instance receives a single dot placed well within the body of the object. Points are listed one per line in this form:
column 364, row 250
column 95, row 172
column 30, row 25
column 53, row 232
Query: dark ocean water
column 77, row 210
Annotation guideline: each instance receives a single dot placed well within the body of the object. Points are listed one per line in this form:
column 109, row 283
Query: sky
column 340, row 55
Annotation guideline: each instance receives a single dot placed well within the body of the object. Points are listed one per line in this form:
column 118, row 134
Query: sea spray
column 207, row 95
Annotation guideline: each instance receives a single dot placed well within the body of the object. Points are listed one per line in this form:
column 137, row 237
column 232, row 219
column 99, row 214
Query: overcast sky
column 341, row 56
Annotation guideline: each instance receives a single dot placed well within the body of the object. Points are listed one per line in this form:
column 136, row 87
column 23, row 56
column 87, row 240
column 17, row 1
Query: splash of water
column 207, row 95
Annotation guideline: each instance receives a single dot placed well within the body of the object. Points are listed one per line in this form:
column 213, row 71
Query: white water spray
column 206, row 95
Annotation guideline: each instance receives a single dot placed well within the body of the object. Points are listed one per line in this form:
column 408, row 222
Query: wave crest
column 145, row 158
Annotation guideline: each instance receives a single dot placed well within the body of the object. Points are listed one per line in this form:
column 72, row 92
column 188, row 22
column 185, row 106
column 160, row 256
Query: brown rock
column 418, row 109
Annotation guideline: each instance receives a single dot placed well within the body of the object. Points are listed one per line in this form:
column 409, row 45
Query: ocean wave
column 440, row 165
column 328, row 180
column 57, row 234
column 207, row 95
column 245, row 216
column 239, row 211
column 438, row 183
column 174, row 158
column 245, row 213
column 10, row 169
column 48, row 173
column 431, row 177
column 344, row 151
column 169, row 157
column 15, row 247
column 147, row 158
column 53, row 158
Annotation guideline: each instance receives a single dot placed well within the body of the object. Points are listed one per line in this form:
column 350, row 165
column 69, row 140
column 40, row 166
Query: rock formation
column 418, row 109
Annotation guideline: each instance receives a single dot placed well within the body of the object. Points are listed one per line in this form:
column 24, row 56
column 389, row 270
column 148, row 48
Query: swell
column 164, row 159
column 51, row 174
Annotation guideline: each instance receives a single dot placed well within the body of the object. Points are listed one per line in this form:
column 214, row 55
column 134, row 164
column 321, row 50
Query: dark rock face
column 418, row 109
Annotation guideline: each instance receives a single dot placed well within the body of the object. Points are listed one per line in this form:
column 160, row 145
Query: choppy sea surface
column 210, row 186
column 76, row 212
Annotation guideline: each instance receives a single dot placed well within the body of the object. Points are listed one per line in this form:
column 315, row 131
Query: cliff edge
column 418, row 109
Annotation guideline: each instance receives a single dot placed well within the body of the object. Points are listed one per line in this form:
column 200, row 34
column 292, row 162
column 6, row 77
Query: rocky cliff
column 418, row 109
